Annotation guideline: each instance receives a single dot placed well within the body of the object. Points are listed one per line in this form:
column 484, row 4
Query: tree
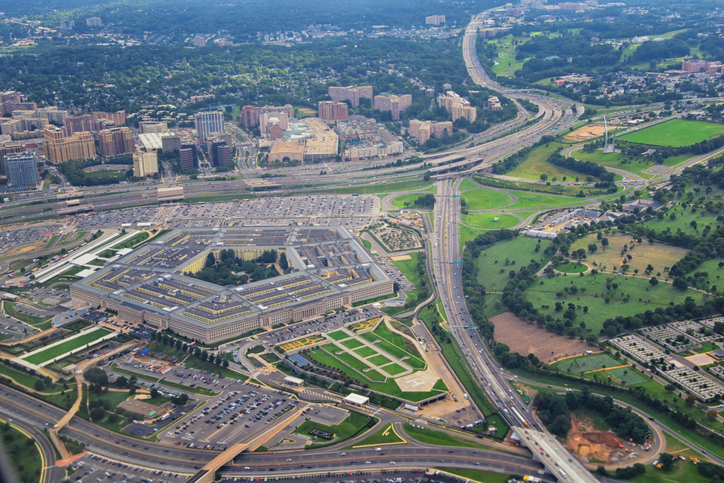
column 654, row 281
column 226, row 363
column 712, row 414
column 154, row 393
column 680, row 283
column 690, row 400
column 604, row 242
column 592, row 247
column 543, row 177
column 39, row 385
column 667, row 461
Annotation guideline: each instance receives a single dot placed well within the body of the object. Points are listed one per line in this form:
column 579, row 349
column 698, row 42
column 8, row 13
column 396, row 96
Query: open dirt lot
column 586, row 132
column 525, row 338
column 401, row 258
column 592, row 445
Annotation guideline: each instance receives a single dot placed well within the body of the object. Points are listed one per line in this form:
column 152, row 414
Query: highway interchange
column 548, row 453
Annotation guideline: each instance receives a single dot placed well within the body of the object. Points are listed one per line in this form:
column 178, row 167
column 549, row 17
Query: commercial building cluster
column 329, row 269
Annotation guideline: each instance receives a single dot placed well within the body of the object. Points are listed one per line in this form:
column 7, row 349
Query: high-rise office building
column 94, row 22
column 170, row 142
column 188, row 158
column 145, row 163
column 220, row 153
column 21, row 171
column 117, row 140
column 59, row 148
column 332, row 111
column 208, row 123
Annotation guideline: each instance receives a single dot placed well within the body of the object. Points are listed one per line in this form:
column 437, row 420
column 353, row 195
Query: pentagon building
column 330, row 269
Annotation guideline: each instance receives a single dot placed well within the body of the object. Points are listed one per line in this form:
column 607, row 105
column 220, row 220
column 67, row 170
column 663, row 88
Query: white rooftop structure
column 294, row 380
column 151, row 140
column 357, row 400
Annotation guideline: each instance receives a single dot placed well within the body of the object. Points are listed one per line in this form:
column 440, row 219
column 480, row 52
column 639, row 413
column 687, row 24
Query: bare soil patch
column 591, row 445
column 401, row 258
column 526, row 338
column 586, row 132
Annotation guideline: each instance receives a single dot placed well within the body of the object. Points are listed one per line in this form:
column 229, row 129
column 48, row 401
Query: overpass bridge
column 208, row 472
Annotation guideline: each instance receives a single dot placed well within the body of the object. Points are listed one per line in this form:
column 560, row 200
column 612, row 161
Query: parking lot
column 13, row 237
column 12, row 329
column 395, row 275
column 348, row 210
column 98, row 468
column 324, row 324
column 241, row 411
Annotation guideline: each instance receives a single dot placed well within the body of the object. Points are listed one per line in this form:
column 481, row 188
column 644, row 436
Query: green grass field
column 351, row 426
column 626, row 375
column 507, row 65
column 466, row 184
column 676, row 133
column 131, row 242
column 338, row 335
column 577, row 365
column 438, row 438
column 537, row 164
column 384, row 435
column 409, row 270
column 571, row 267
column 67, row 346
column 493, row 272
column 682, row 220
column 393, row 369
column 491, row 221
column 394, row 344
column 478, row 475
column 633, row 165
column 526, row 199
column 352, row 343
column 486, row 199
column 379, row 360
column 632, row 296
column 365, row 352
column 358, row 365
column 23, row 454
column 407, row 200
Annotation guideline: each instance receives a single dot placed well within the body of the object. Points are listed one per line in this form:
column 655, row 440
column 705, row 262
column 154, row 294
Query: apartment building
column 94, row 121
column 457, row 106
column 435, row 20
column 694, row 66
column 350, row 93
column 114, row 141
column 394, row 103
column 147, row 127
column 60, row 148
column 424, row 130
column 251, row 115
column 332, row 111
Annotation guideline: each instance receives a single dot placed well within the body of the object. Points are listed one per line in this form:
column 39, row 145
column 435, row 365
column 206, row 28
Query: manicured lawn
column 28, row 380
column 479, row 475
column 635, row 165
column 506, row 62
column 384, row 435
column 438, row 438
column 571, row 267
column 358, row 365
column 407, row 200
column 486, row 199
column 365, row 352
column 626, row 375
column 352, row 425
column 50, row 242
column 23, row 454
column 683, row 471
column 495, row 263
column 409, row 270
column 131, row 242
column 70, row 239
column 537, row 164
column 394, row 345
column 352, row 343
column 60, row 349
column 338, row 335
column 581, row 364
column 466, row 233
column 631, row 296
column 379, row 360
column 393, row 369
column 525, row 199
column 492, row 221
column 466, row 184
column 676, row 133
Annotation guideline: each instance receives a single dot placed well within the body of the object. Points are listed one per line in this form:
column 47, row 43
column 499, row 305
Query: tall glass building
column 22, row 171
column 208, row 123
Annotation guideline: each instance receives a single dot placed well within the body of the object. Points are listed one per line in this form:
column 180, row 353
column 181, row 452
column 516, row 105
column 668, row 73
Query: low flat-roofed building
column 286, row 151
column 153, row 283
column 357, row 400
column 294, row 381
